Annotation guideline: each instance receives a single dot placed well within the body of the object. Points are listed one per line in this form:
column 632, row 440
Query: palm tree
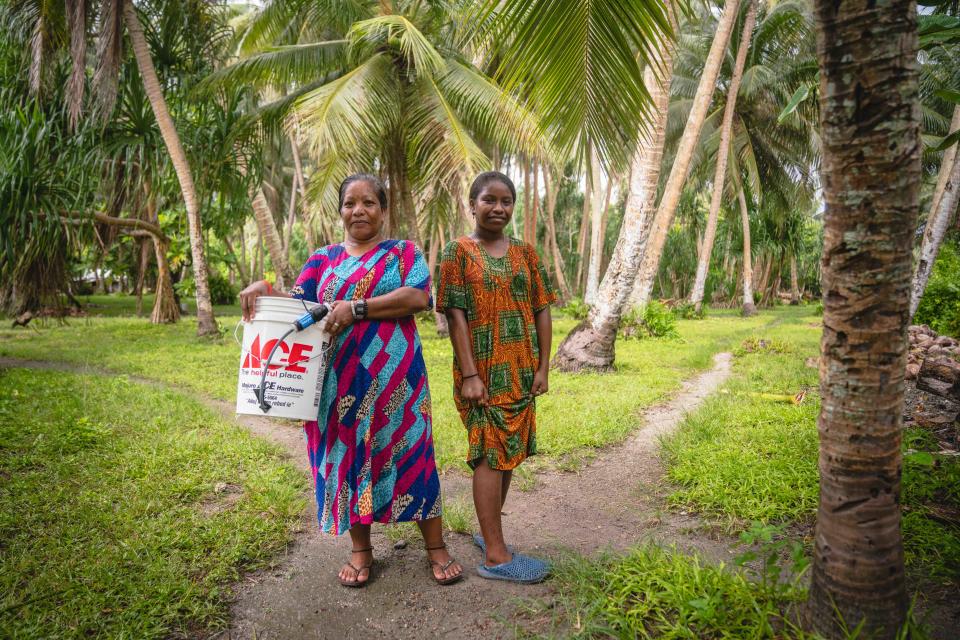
column 685, row 150
column 940, row 90
column 387, row 85
column 871, row 178
column 719, row 176
column 206, row 323
column 591, row 345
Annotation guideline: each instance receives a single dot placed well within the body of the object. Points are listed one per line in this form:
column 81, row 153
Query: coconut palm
column 600, row 328
column 940, row 92
column 871, row 178
column 385, row 85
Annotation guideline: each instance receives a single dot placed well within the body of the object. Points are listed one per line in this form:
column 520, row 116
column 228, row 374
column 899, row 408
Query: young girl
column 496, row 297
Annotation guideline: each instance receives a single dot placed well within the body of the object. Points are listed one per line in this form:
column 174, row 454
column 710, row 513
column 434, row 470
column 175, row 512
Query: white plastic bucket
column 295, row 376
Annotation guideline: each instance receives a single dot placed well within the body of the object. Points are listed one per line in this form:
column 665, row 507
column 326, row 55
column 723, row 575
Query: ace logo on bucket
column 287, row 357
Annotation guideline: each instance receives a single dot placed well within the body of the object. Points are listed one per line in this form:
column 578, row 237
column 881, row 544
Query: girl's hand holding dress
column 474, row 391
column 539, row 386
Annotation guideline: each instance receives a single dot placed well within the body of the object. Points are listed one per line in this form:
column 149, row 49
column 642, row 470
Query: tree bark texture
column 749, row 308
column 597, row 211
column 870, row 122
column 271, row 238
column 723, row 152
column 582, row 246
column 206, row 323
column 685, row 149
column 553, row 188
column 942, row 210
column 592, row 344
column 794, row 280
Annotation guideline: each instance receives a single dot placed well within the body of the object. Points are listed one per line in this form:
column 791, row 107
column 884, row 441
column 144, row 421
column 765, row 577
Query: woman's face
column 493, row 207
column 361, row 213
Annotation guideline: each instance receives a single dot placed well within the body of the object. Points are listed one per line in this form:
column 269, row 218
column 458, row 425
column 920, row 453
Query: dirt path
column 612, row 500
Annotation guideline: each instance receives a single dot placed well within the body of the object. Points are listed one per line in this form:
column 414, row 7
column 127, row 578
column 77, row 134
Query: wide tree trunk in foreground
column 591, row 345
column 749, row 308
column 206, row 323
column 271, row 238
column 942, row 209
column 871, row 176
column 681, row 164
column 723, row 152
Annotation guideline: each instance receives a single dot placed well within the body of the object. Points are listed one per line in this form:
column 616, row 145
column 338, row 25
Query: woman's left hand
column 340, row 318
column 539, row 386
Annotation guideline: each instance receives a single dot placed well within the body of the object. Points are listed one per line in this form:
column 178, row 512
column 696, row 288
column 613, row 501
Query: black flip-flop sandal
column 355, row 584
column 443, row 568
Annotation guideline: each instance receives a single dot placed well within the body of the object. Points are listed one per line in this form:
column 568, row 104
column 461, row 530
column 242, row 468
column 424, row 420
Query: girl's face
column 360, row 212
column 493, row 207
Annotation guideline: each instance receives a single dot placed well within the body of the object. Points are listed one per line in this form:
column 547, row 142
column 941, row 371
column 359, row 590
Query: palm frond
column 348, row 118
column 492, row 113
column 441, row 147
column 109, row 52
column 422, row 58
column 281, row 66
column 580, row 61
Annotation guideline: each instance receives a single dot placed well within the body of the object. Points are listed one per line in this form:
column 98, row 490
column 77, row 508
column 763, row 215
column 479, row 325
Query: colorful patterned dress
column 372, row 458
column 499, row 297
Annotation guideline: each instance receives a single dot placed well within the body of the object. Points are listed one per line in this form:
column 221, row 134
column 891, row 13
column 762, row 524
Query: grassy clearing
column 750, row 454
column 120, row 305
column 581, row 412
column 126, row 510
column 660, row 593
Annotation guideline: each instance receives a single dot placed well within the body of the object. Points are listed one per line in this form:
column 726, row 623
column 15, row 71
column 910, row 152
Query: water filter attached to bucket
column 288, row 385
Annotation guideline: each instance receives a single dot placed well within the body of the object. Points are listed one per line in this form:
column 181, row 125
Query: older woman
column 371, row 449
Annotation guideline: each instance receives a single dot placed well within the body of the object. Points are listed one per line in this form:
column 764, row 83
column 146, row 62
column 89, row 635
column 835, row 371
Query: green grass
column 653, row 592
column 581, row 411
column 119, row 305
column 125, row 511
column 746, row 454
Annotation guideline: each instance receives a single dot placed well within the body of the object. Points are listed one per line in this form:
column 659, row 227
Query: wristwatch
column 359, row 309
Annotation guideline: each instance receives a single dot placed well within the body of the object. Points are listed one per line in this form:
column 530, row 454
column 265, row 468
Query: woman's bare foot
column 444, row 567
column 356, row 572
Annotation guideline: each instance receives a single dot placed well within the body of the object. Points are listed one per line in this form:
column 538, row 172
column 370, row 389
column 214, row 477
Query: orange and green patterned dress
column 499, row 296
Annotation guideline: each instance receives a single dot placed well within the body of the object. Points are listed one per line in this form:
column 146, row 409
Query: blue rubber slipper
column 521, row 569
column 478, row 540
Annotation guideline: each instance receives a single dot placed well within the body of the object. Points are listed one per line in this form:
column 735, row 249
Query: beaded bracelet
column 269, row 287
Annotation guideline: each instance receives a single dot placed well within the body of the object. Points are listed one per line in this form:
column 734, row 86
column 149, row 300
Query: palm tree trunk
column 726, row 129
column 597, row 212
column 794, row 280
column 143, row 265
column 592, row 344
column 240, row 261
column 206, row 322
column 526, row 201
column 582, row 246
column 869, row 110
column 942, row 209
column 268, row 231
column 685, row 150
column 552, row 189
column 535, row 203
column 749, row 308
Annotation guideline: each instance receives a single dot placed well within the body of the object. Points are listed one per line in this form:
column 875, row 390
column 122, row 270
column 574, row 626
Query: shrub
column 577, row 309
column 221, row 291
column 688, row 311
column 656, row 320
column 940, row 305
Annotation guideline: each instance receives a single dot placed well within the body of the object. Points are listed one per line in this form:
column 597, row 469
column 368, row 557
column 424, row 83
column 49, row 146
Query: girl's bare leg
column 488, row 497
